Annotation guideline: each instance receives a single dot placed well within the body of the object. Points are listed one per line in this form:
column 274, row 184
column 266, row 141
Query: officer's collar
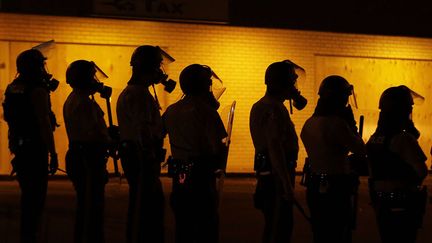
column 273, row 99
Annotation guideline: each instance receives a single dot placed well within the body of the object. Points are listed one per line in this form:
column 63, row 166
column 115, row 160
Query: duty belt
column 323, row 182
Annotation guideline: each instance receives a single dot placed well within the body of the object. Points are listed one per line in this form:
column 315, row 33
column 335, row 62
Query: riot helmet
column 150, row 60
column 31, row 65
column 30, row 62
column 283, row 77
column 197, row 79
column 396, row 104
column 335, row 85
column 397, row 100
column 86, row 75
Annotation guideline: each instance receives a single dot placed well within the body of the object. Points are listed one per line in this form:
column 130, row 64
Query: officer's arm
column 410, row 151
column 350, row 139
column 216, row 133
column 40, row 100
column 147, row 138
column 277, row 153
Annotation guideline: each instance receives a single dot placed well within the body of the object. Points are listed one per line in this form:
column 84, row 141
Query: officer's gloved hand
column 53, row 165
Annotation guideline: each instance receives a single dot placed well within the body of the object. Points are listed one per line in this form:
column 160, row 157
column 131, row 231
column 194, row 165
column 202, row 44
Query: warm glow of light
column 238, row 55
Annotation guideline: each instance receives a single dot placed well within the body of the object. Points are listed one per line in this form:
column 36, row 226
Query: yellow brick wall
column 238, row 55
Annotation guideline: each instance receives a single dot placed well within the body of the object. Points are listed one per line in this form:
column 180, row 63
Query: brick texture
column 238, row 55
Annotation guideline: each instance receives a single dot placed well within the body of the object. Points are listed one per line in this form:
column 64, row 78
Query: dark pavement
column 240, row 222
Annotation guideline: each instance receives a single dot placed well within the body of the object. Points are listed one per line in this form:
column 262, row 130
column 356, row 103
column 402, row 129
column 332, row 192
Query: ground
column 240, row 222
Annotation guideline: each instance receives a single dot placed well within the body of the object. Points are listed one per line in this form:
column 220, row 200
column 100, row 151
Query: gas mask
column 299, row 75
column 46, row 49
column 97, row 84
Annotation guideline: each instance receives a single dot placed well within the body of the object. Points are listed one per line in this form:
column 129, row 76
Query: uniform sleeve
column 40, row 99
column 91, row 118
column 348, row 138
column 216, row 132
column 276, row 149
column 410, row 151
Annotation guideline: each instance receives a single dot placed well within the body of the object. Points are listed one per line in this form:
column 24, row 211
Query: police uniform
column 195, row 131
column 328, row 140
column 397, row 165
column 140, row 126
column 271, row 126
column 86, row 162
column 27, row 111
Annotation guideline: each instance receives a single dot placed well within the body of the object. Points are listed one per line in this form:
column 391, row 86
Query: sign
column 195, row 10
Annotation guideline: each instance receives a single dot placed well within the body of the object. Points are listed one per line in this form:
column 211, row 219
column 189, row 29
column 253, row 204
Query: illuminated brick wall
column 238, row 55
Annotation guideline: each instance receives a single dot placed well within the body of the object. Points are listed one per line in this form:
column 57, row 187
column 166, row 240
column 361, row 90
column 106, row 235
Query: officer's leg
column 396, row 226
column 342, row 208
column 206, row 201
column 129, row 163
column 77, row 174
column 184, row 213
column 285, row 223
column 152, row 215
column 264, row 199
column 32, row 176
column 283, row 217
column 318, row 206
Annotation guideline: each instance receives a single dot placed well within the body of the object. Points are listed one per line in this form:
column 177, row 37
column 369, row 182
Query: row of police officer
column 193, row 124
column 198, row 153
column 336, row 159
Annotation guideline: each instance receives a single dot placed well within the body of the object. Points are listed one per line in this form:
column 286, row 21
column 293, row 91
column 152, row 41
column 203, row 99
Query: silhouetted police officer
column 397, row 165
column 87, row 155
column 195, row 131
column 276, row 149
column 329, row 135
column 27, row 110
column 141, row 150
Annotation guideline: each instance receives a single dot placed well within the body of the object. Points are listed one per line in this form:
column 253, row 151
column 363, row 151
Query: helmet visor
column 299, row 73
column 166, row 58
column 418, row 99
column 46, row 48
column 353, row 97
column 217, row 86
column 99, row 75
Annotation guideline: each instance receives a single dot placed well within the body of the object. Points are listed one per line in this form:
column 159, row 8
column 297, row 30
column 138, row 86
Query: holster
column 324, row 183
column 262, row 162
column 413, row 200
column 306, row 173
column 177, row 167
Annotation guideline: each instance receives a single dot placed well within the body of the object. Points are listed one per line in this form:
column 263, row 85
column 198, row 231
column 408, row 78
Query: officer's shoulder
column 39, row 91
column 172, row 108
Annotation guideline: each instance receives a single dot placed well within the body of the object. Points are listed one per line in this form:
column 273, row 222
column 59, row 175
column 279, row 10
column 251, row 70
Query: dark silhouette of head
column 334, row 93
column 396, row 100
column 81, row 75
column 31, row 63
column 335, row 88
column 196, row 79
column 146, row 64
column 396, row 104
column 146, row 58
column 280, row 78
